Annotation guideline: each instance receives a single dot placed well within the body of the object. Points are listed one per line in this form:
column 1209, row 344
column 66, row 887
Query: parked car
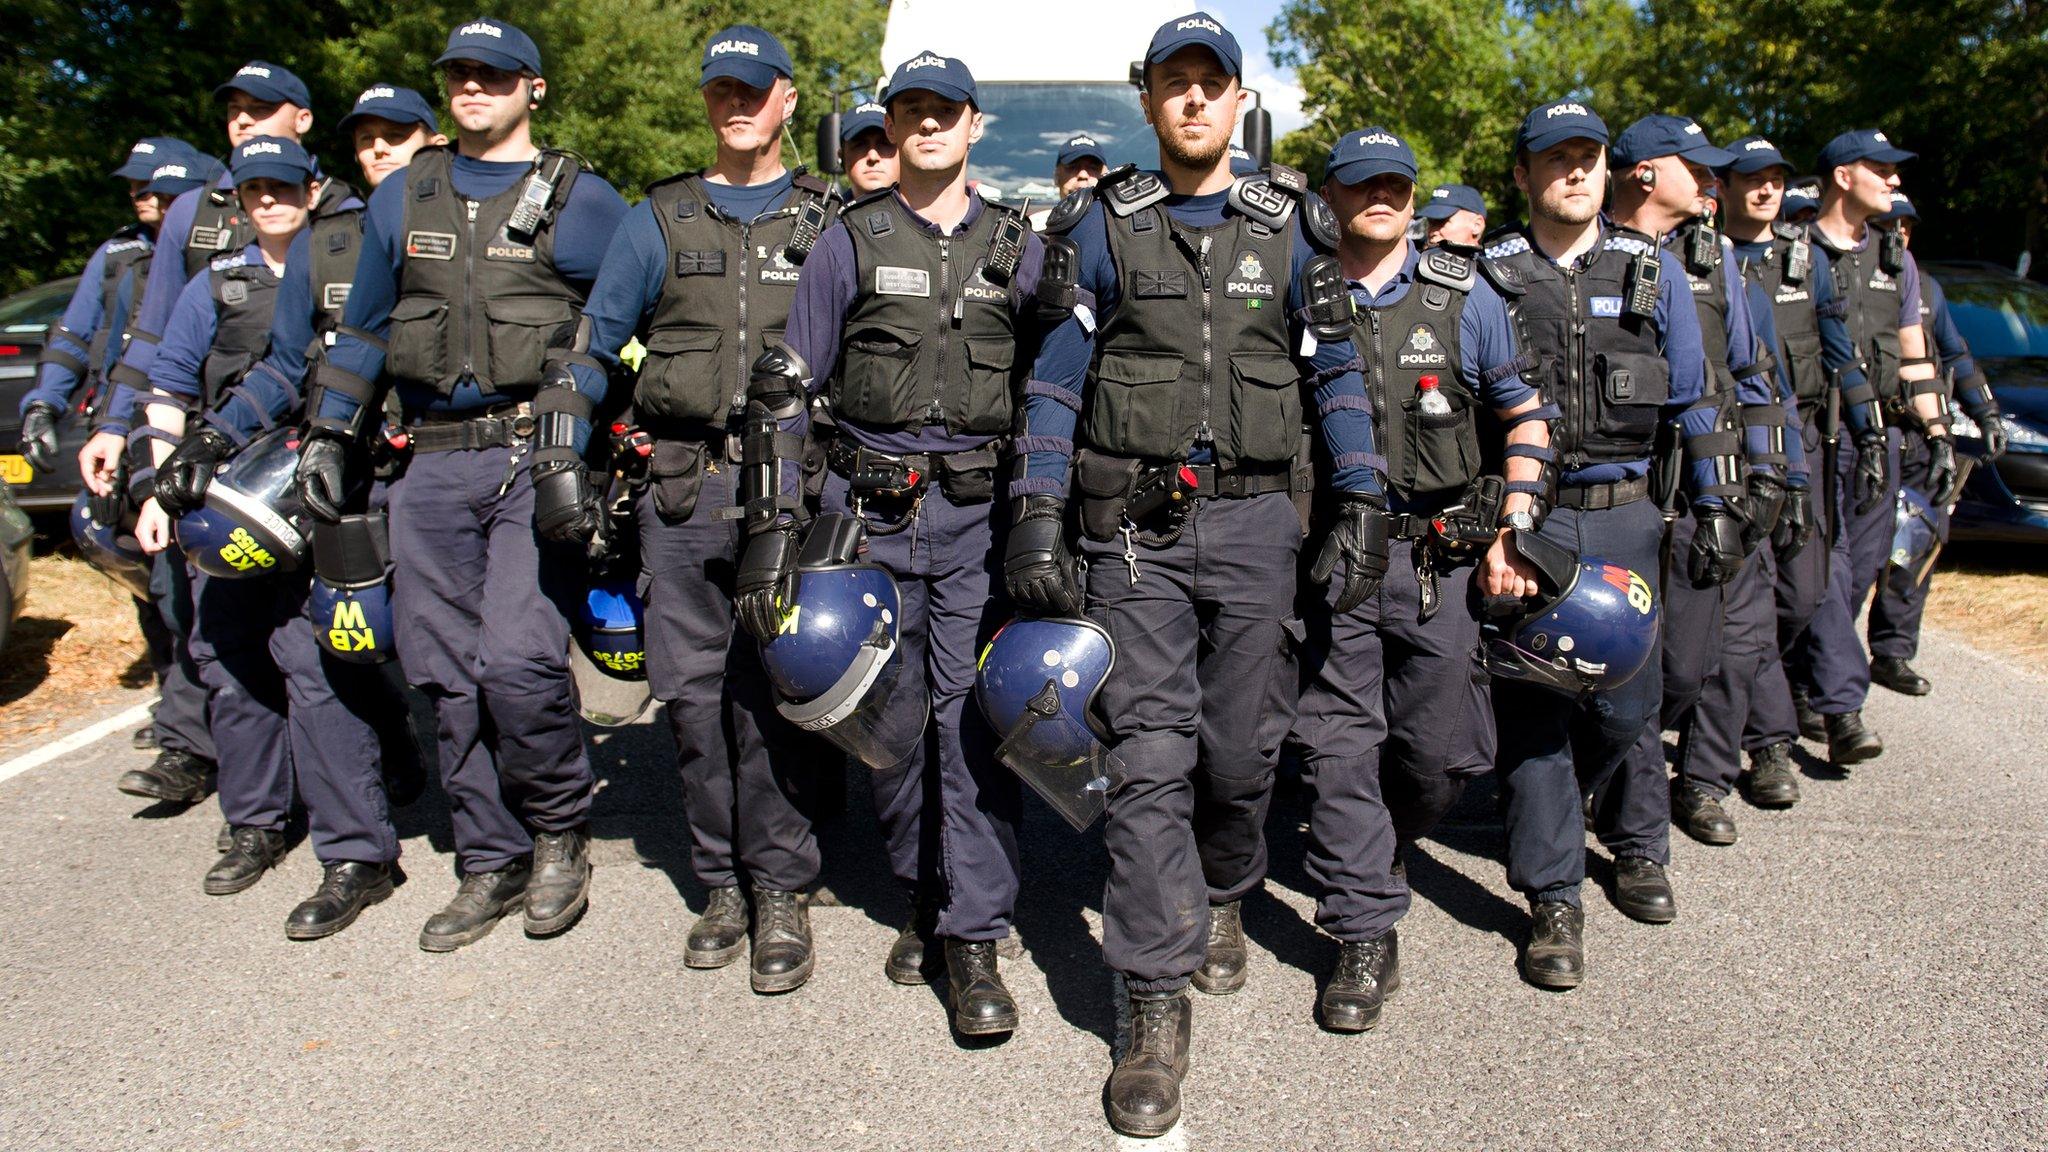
column 2005, row 319
column 16, row 538
column 25, row 319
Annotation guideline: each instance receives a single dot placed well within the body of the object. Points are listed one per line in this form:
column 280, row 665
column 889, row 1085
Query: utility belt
column 1594, row 497
column 965, row 477
column 1153, row 497
column 506, row 426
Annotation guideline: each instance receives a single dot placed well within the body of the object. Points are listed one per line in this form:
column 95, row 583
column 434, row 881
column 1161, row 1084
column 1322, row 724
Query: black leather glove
column 1359, row 539
column 1942, row 475
column 322, row 475
column 182, row 478
column 1038, row 569
column 1990, row 422
column 1761, row 507
column 564, row 504
column 766, row 583
column 1873, row 470
column 1717, row 553
column 1795, row 525
column 39, row 435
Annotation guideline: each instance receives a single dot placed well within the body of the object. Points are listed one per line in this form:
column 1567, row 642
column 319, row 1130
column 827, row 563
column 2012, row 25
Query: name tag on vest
column 700, row 263
column 430, row 245
column 208, row 239
column 891, row 281
column 334, row 296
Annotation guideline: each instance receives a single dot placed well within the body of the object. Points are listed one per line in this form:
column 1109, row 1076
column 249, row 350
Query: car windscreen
column 2001, row 317
column 1024, row 124
column 32, row 312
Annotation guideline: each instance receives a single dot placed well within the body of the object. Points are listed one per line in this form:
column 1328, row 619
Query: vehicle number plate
column 15, row 470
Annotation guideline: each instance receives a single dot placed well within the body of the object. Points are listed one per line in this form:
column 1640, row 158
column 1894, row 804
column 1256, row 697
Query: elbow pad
column 779, row 382
column 1328, row 312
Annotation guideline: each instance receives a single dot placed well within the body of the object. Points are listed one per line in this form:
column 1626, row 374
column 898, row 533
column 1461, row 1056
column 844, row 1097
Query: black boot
column 252, row 853
column 782, row 941
column 1223, row 966
column 479, row 902
column 1812, row 725
column 1555, row 956
column 912, row 958
column 560, row 886
column 720, row 934
column 1643, row 891
column 982, row 1004
column 1849, row 742
column 1899, row 676
column 1770, row 781
column 225, row 838
column 348, row 887
column 1699, row 813
column 175, row 775
column 1367, row 972
column 144, row 737
column 1144, row 1087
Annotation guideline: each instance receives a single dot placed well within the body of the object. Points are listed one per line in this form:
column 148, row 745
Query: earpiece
column 1649, row 178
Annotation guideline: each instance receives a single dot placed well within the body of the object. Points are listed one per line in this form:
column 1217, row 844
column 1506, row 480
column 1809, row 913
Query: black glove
column 767, row 581
column 1989, row 422
column 1942, row 476
column 564, row 504
column 1359, row 539
column 39, row 435
column 182, row 478
column 1037, row 568
column 1761, row 507
column 321, row 475
column 1873, row 470
column 1716, row 547
column 1795, row 525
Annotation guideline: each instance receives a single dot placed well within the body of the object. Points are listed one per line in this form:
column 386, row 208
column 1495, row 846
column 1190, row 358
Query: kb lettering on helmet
column 926, row 61
column 243, row 553
column 743, row 47
column 1440, row 194
column 1556, row 110
column 1209, row 26
column 481, row 28
column 350, row 630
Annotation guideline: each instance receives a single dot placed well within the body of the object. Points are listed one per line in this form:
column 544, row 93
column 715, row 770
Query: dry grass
column 75, row 653
column 1997, row 597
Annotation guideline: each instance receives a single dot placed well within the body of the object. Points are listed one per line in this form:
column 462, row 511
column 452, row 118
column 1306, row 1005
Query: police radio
column 1702, row 248
column 536, row 198
column 1891, row 251
column 1798, row 262
column 1007, row 248
column 1643, row 278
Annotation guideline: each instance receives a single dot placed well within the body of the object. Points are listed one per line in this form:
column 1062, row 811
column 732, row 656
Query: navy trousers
column 1833, row 666
column 182, row 708
column 1894, row 627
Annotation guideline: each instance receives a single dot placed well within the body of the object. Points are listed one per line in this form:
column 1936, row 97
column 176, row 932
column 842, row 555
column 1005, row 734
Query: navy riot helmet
column 252, row 523
column 109, row 547
column 608, row 653
column 351, row 596
column 1591, row 630
column 1037, row 685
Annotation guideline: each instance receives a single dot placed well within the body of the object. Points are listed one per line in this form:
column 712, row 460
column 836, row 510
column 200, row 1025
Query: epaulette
column 870, row 198
column 225, row 263
column 1126, row 190
column 1452, row 268
column 1633, row 243
column 1505, row 242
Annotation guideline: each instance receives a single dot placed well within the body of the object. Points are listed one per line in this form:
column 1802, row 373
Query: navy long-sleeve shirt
column 159, row 295
column 583, row 228
column 1766, row 323
column 1837, row 350
column 189, row 331
column 1948, row 343
column 1058, row 391
column 85, row 316
column 1741, row 330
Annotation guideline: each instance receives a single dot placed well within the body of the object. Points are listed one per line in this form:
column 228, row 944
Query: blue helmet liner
column 252, row 523
column 1037, row 684
column 111, row 548
column 608, row 626
column 1592, row 631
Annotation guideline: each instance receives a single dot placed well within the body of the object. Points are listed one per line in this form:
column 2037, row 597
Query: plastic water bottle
column 1435, row 409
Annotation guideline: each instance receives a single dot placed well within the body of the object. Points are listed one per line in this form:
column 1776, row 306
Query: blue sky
column 1247, row 19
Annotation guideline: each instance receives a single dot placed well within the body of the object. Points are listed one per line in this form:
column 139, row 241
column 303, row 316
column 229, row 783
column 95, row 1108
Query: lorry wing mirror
column 828, row 144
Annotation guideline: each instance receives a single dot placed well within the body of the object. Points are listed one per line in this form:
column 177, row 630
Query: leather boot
column 1223, row 966
column 1770, row 781
column 912, row 958
column 1643, row 892
column 177, row 776
column 1367, row 972
column 225, row 838
column 144, row 737
column 1812, row 725
column 560, row 886
column 482, row 898
column 347, row 888
column 1144, row 1087
column 1849, row 742
column 1555, row 956
column 720, row 934
column 782, row 941
column 1899, row 676
column 252, row 853
column 1699, row 813
column 982, row 1004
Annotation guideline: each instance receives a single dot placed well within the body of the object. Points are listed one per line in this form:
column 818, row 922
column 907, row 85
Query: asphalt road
column 1862, row 971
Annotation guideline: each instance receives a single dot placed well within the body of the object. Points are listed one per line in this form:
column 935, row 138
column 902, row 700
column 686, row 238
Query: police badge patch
column 1423, row 350
column 1248, row 279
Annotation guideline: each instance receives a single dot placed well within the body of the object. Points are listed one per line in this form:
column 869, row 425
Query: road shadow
column 1064, row 872
column 28, row 655
column 1815, row 767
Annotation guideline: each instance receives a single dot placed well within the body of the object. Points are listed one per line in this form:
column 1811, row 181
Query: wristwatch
column 1519, row 521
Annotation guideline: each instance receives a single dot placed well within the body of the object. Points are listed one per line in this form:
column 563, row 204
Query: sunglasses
column 460, row 72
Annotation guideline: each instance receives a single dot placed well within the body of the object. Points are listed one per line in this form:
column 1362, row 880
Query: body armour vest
column 218, row 228
column 129, row 250
column 1604, row 368
column 930, row 338
column 1786, row 272
column 1197, row 350
column 244, row 297
column 1870, row 302
column 477, row 300
column 335, row 242
column 725, row 298
column 1414, row 337
column 1708, row 279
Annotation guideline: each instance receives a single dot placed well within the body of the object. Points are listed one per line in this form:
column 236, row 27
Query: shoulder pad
column 678, row 178
column 1319, row 223
column 1070, row 211
column 1503, row 276
column 1449, row 268
column 1258, row 198
column 804, row 181
column 870, row 198
column 1127, row 190
column 1290, row 180
column 1784, row 231
column 333, row 193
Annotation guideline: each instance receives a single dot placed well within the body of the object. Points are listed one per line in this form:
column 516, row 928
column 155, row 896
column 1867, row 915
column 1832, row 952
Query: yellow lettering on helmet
column 789, row 624
column 349, row 614
column 1639, row 595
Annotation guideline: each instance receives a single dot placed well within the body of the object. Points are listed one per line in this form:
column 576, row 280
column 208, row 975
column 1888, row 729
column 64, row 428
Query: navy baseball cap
column 273, row 157
column 1360, row 156
column 1447, row 200
column 150, row 152
column 390, row 102
column 1196, row 28
column 1558, row 121
column 865, row 116
column 267, row 81
column 1798, row 200
column 181, row 170
column 1754, row 154
column 1657, row 136
column 1861, row 144
column 933, row 73
column 492, row 42
column 1080, row 147
column 1902, row 209
column 1241, row 161
column 748, row 54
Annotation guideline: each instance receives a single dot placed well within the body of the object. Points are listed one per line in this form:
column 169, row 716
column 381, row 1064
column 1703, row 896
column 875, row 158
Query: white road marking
column 1175, row 1140
column 29, row 761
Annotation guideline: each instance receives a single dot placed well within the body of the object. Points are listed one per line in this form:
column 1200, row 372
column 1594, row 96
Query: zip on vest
column 936, row 412
column 469, row 294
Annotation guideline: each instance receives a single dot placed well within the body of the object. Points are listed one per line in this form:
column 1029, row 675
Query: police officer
column 1801, row 204
column 909, row 317
column 386, row 127
column 705, row 269
column 1175, row 389
column 1081, row 162
column 1879, row 286
column 1663, row 167
column 1456, row 215
column 865, row 153
column 1894, row 628
column 1395, row 715
column 1606, row 311
column 474, row 268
